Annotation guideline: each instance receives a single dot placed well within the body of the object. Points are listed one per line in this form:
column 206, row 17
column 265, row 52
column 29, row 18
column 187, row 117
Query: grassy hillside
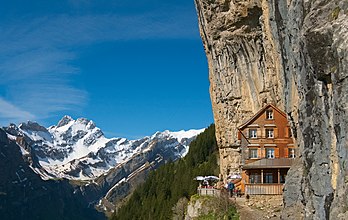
column 165, row 186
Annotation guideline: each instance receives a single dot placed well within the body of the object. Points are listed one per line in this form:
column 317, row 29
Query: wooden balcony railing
column 264, row 189
column 208, row 192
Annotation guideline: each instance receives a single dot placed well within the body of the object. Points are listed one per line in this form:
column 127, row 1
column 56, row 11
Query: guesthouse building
column 268, row 151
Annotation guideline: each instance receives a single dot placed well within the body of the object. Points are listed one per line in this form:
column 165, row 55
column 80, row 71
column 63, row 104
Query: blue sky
column 133, row 67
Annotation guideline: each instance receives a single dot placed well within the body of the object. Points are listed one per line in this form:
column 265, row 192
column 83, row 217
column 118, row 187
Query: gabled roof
column 260, row 112
column 270, row 163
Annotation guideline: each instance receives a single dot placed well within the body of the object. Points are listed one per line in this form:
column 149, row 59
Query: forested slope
column 165, row 186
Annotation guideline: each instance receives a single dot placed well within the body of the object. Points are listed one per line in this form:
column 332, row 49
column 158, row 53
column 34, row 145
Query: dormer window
column 269, row 114
column 269, row 133
column 252, row 133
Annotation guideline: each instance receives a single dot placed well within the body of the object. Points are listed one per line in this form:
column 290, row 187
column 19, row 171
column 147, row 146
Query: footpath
column 259, row 208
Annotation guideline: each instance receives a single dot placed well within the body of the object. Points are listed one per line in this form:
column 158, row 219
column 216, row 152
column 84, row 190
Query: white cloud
column 10, row 113
column 35, row 63
column 46, row 98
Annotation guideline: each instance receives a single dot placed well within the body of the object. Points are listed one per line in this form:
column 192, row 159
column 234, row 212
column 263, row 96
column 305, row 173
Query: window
column 255, row 178
column 270, row 153
column 253, row 153
column 253, row 133
column 269, row 114
column 269, row 133
column 282, row 177
column 268, row 178
column 292, row 153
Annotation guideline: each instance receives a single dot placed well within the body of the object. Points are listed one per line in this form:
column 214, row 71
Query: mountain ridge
column 62, row 146
column 104, row 170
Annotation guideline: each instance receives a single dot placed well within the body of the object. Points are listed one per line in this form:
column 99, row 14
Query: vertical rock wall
column 292, row 53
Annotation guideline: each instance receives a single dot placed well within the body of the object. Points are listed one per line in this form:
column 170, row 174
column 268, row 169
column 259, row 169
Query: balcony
column 208, row 192
column 270, row 163
column 264, row 189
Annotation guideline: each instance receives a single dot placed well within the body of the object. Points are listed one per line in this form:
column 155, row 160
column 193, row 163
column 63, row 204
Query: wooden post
column 278, row 176
column 262, row 176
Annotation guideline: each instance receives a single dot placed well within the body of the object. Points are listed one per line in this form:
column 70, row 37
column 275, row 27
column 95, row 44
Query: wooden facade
column 267, row 151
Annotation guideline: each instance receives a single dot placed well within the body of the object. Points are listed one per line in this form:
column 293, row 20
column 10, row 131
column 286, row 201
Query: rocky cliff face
column 292, row 53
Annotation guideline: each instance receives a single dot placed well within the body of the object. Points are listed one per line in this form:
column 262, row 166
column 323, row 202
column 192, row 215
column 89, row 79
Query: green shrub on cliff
column 174, row 180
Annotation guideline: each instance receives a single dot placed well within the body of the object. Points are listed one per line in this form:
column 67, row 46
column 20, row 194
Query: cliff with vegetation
column 293, row 54
column 158, row 197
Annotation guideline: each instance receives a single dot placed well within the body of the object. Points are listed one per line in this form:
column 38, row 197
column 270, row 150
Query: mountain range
column 102, row 170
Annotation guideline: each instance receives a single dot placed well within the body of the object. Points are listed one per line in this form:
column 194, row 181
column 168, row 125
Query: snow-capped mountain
column 103, row 170
column 77, row 149
column 24, row 195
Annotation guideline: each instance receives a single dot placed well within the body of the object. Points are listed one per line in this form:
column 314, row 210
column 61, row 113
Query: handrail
column 264, row 189
column 208, row 191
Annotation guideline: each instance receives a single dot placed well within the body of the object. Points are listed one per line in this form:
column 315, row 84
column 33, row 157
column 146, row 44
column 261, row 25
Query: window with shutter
column 252, row 133
column 270, row 153
column 269, row 133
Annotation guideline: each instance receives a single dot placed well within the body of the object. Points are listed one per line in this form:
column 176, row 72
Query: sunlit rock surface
column 293, row 54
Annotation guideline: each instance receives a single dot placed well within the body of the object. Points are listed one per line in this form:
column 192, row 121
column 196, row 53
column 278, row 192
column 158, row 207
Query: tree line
column 165, row 186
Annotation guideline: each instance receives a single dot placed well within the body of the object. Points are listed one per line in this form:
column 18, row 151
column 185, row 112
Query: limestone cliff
column 292, row 53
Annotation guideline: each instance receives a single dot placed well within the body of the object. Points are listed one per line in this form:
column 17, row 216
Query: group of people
column 205, row 184
column 232, row 189
column 229, row 186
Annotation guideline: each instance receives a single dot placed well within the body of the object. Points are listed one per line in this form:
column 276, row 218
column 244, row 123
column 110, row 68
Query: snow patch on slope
column 180, row 135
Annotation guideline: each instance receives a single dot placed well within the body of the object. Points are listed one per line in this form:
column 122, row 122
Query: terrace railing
column 208, row 192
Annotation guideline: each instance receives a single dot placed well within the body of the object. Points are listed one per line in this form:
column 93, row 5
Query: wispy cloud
column 10, row 113
column 38, row 80
column 35, row 63
column 65, row 31
column 36, row 56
